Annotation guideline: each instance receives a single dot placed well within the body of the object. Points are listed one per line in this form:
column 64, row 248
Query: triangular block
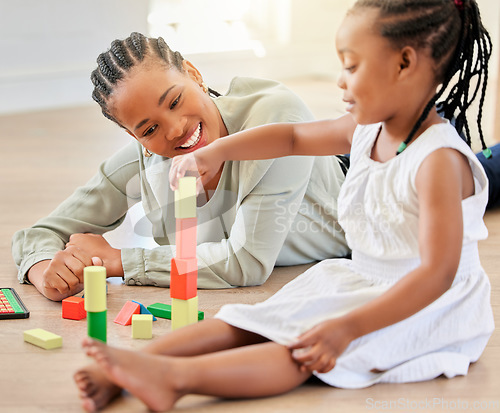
column 124, row 317
column 144, row 310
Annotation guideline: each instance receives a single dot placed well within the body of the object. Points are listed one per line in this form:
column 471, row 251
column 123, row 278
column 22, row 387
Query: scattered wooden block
column 165, row 311
column 142, row 326
column 73, row 308
column 144, row 310
column 124, row 317
column 161, row 310
column 42, row 338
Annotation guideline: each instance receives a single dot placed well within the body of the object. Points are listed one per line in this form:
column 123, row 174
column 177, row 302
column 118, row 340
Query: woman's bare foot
column 146, row 376
column 96, row 391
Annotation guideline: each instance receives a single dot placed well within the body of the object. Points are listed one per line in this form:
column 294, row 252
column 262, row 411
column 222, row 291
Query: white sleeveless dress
column 378, row 209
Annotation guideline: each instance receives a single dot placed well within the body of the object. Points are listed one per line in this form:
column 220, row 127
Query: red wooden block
column 185, row 237
column 73, row 308
column 184, row 278
column 124, row 317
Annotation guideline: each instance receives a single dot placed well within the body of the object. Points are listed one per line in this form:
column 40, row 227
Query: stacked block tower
column 94, row 283
column 184, row 266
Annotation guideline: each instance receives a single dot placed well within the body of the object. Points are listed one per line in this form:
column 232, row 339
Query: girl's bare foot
column 146, row 376
column 96, row 391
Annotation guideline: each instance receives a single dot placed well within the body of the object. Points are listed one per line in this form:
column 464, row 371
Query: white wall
column 48, row 47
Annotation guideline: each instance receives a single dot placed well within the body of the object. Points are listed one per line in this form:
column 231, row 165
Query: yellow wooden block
column 42, row 338
column 142, row 326
column 185, row 198
column 184, row 312
column 94, row 283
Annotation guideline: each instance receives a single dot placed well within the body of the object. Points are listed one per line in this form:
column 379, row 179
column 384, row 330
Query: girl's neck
column 392, row 133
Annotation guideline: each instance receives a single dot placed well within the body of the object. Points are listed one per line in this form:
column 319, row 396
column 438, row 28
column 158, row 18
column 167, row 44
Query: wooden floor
column 43, row 157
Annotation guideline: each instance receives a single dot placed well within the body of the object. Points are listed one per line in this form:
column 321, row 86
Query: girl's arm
column 317, row 138
column 323, row 137
column 440, row 241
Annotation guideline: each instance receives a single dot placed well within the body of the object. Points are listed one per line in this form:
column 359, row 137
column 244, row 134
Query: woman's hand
column 62, row 276
column 204, row 162
column 318, row 348
column 96, row 246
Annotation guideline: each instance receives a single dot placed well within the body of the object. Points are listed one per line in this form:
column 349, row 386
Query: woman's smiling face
column 166, row 110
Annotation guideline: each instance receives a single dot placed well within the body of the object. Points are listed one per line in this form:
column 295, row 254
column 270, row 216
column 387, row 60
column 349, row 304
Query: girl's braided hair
column 122, row 56
column 459, row 45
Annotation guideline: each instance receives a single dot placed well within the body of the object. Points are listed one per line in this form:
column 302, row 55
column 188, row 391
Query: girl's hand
column 96, row 246
column 318, row 348
column 206, row 167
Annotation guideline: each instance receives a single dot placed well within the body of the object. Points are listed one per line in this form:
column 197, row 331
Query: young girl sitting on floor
column 391, row 313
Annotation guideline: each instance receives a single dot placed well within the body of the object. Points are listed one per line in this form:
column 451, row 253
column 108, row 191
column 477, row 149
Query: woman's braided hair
column 459, row 45
column 122, row 56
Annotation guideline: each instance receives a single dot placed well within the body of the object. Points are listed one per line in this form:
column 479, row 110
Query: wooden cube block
column 42, row 338
column 185, row 198
column 184, row 278
column 185, row 237
column 184, row 312
column 142, row 326
column 73, row 308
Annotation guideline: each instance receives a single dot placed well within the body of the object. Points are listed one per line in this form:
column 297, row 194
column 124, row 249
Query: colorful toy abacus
column 11, row 305
column 184, row 266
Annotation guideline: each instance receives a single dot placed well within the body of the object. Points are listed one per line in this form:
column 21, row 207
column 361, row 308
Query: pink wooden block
column 185, row 237
column 124, row 317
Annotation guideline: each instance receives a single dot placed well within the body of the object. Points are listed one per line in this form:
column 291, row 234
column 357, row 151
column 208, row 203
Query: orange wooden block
column 184, row 278
column 73, row 308
column 124, row 317
column 185, row 237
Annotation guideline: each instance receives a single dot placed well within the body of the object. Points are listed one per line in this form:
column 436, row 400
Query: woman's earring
column 204, row 87
column 146, row 153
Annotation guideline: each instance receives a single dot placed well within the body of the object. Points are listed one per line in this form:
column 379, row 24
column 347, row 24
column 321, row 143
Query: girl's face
column 167, row 111
column 370, row 69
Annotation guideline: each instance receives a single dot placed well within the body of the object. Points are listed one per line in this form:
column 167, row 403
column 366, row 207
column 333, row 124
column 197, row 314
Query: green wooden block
column 165, row 311
column 161, row 310
column 96, row 325
column 42, row 338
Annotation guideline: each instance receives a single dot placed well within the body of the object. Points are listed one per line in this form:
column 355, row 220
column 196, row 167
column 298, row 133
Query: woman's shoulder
column 243, row 86
column 251, row 102
column 126, row 158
